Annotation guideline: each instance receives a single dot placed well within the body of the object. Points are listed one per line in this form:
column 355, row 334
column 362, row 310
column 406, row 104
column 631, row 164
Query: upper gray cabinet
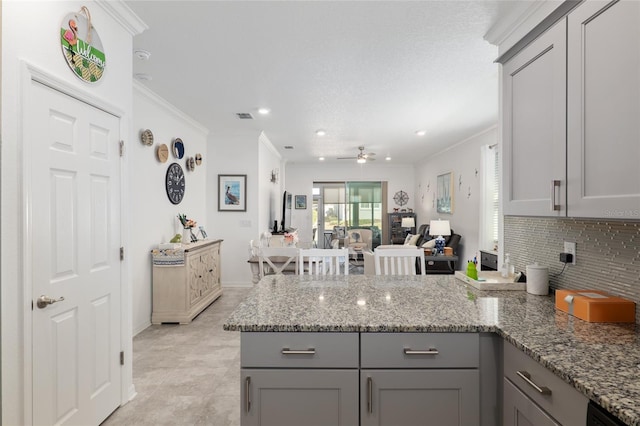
column 571, row 117
column 534, row 127
column 603, row 167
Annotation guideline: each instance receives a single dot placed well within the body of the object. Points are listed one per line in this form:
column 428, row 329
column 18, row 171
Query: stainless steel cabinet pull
column 527, row 378
column 247, row 395
column 430, row 351
column 44, row 301
column 287, row 351
column 369, row 395
column 554, row 206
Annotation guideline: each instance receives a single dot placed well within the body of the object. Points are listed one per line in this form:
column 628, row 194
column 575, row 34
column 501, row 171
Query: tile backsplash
column 607, row 252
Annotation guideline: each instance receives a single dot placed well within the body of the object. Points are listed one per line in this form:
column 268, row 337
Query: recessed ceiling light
column 321, row 158
column 143, row 77
column 421, row 132
column 320, row 132
column 387, row 158
column 264, row 111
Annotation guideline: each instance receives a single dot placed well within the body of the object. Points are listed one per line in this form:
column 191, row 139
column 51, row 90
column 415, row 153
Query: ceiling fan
column 361, row 157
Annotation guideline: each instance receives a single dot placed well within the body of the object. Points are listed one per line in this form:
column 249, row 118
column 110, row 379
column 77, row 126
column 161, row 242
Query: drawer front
column 299, row 350
column 420, row 350
column 556, row 397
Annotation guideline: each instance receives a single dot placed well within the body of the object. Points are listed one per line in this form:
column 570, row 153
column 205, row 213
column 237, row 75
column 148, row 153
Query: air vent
column 288, row 147
column 244, row 116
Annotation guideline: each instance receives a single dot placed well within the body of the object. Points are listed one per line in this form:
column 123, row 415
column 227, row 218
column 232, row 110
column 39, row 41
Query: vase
column 186, row 235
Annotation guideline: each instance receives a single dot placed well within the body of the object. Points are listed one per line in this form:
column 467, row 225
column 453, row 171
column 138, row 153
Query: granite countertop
column 600, row 360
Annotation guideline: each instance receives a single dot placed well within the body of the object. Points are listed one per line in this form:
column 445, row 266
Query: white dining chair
column 277, row 259
column 317, row 261
column 401, row 261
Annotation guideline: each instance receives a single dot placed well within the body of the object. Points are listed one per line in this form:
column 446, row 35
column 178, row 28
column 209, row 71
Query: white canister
column 537, row 279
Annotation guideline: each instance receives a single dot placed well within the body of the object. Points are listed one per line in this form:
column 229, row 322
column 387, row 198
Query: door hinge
column 121, row 357
column 121, row 253
column 121, row 148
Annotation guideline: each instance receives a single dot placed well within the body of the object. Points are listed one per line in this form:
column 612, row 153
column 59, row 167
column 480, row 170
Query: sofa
column 421, row 239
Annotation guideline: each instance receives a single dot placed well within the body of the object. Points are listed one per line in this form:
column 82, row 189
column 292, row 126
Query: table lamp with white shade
column 439, row 228
column 407, row 222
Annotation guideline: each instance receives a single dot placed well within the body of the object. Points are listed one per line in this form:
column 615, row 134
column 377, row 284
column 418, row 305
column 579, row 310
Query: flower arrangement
column 291, row 238
column 186, row 223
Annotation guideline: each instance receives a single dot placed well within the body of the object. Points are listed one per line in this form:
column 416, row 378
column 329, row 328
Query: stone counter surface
column 600, row 360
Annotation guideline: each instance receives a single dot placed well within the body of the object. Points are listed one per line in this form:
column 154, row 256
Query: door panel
column 74, row 211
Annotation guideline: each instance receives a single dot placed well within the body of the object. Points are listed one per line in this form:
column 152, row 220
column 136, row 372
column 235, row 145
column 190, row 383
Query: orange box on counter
column 595, row 306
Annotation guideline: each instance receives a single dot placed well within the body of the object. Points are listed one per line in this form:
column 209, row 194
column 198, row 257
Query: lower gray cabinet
column 293, row 397
column 442, row 397
column 520, row 410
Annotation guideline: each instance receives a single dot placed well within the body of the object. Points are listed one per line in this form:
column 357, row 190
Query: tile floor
column 187, row 374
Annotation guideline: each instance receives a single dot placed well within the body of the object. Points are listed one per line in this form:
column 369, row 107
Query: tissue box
column 595, row 306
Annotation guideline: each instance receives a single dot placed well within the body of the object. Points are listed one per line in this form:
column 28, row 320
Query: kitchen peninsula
column 455, row 330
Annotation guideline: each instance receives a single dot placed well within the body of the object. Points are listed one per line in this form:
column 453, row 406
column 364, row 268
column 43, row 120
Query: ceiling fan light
column 361, row 160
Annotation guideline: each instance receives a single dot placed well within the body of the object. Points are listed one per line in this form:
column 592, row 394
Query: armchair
column 359, row 237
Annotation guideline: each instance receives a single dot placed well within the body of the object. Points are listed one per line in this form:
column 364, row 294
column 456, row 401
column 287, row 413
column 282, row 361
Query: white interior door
column 74, row 208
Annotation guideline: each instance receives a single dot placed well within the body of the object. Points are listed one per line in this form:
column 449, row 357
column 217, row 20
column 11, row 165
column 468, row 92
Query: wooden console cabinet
column 183, row 290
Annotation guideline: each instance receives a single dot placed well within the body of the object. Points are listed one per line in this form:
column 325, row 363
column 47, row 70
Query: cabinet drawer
column 563, row 403
column 419, row 350
column 299, row 350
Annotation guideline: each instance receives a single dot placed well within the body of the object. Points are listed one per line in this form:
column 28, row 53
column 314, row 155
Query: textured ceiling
column 368, row 73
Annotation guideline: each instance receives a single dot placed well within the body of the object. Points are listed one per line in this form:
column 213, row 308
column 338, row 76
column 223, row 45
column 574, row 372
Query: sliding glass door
column 349, row 205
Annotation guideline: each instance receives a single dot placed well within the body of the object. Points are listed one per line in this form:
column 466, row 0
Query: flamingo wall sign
column 81, row 46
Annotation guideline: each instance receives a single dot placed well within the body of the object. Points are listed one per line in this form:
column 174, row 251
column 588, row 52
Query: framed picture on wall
column 301, row 201
column 232, row 193
column 444, row 199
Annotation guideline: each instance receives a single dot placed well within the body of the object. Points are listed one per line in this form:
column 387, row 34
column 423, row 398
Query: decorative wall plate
column 401, row 198
column 146, row 137
column 178, row 148
column 163, row 153
column 191, row 164
column 174, row 183
column 198, row 159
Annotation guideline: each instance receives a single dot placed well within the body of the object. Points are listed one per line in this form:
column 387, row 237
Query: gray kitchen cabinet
column 183, row 289
column 292, row 397
column 439, row 397
column 520, row 410
column 541, row 395
column 534, row 127
column 299, row 378
column 603, row 109
column 571, row 101
column 419, row 378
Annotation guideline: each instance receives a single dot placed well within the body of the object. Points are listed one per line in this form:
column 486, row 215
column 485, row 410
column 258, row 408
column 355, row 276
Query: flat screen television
column 286, row 211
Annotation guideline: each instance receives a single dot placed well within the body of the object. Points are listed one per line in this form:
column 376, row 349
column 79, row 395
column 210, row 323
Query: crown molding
column 154, row 97
column 123, row 14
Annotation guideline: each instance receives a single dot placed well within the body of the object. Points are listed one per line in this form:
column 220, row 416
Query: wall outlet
column 570, row 247
column 245, row 224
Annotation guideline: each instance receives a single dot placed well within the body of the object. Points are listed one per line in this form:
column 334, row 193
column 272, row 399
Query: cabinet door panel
column 420, row 397
column 299, row 397
column 604, row 107
column 521, row 411
column 534, row 120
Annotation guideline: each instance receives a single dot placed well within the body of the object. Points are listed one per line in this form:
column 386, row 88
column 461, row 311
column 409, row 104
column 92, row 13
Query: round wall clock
column 163, row 153
column 174, row 183
column 146, row 137
column 401, row 198
column 178, row 148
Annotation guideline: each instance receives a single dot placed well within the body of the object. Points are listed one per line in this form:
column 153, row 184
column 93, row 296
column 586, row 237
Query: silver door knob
column 44, row 301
